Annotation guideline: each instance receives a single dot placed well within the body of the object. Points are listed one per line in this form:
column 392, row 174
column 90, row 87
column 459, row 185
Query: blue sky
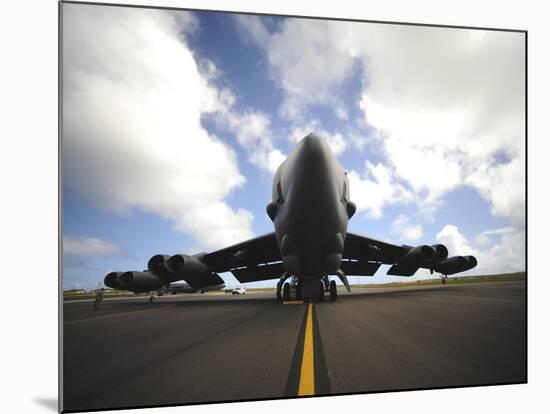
column 174, row 122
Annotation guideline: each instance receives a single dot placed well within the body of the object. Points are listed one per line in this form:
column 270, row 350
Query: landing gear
column 333, row 291
column 443, row 279
column 151, row 298
column 326, row 283
column 299, row 291
column 286, row 292
column 321, row 292
column 282, row 280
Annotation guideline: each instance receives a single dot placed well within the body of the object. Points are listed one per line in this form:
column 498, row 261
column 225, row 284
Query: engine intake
column 157, row 266
column 418, row 256
column 441, row 253
column 111, row 280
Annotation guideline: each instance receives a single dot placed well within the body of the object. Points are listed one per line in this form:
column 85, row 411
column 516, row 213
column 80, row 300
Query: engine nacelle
column 111, row 280
column 192, row 270
column 418, row 257
column 441, row 253
column 456, row 264
column 157, row 265
column 141, row 281
column 472, row 262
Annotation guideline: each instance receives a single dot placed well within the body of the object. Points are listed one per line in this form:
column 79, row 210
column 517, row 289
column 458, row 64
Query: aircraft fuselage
column 310, row 209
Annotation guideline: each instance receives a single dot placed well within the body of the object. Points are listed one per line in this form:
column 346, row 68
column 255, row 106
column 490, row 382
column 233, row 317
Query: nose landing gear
column 286, row 292
column 333, row 291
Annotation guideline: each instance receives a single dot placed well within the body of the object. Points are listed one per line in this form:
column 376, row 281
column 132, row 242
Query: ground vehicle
column 241, row 290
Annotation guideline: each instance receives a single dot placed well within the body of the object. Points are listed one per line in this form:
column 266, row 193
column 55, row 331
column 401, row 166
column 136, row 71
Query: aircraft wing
column 363, row 256
column 363, row 248
column 249, row 261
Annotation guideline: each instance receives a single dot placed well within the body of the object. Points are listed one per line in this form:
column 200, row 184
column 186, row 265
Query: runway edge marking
column 322, row 376
column 307, row 370
column 291, row 387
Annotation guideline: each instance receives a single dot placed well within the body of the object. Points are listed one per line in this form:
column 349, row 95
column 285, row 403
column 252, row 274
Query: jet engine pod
column 418, row 256
column 184, row 265
column 141, row 281
column 472, row 262
column 456, row 264
column 111, row 280
column 157, row 265
column 441, row 252
column 193, row 271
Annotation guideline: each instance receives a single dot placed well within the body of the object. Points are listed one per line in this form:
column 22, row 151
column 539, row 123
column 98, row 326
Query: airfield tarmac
column 218, row 347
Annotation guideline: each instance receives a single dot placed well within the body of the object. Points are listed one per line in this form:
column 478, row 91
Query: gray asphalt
column 215, row 347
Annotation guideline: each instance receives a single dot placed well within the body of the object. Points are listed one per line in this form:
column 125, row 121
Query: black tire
column 333, row 291
column 286, row 292
column 322, row 292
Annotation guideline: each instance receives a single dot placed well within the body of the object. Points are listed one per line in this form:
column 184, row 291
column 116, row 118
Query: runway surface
column 217, row 347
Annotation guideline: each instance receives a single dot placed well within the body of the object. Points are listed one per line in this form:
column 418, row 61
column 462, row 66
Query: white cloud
column 253, row 132
column 376, row 188
column 455, row 242
column 304, row 65
column 484, row 238
column 403, row 228
column 133, row 97
column 507, row 254
column 335, row 140
column 87, row 246
column 446, row 102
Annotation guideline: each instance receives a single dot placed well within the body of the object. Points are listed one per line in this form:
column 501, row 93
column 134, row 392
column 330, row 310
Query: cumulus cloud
column 507, row 254
column 133, row 98
column 456, row 243
column 447, row 104
column 253, row 132
column 335, row 140
column 375, row 188
column 485, row 237
column 403, row 228
column 306, row 67
column 87, row 246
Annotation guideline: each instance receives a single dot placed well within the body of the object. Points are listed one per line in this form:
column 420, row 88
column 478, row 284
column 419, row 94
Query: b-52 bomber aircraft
column 310, row 211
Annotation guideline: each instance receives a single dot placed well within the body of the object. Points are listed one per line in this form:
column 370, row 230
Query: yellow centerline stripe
column 116, row 314
column 307, row 371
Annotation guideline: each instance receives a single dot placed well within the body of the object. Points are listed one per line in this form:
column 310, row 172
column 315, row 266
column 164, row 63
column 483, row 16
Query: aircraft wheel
column 322, row 292
column 299, row 291
column 286, row 292
column 333, row 291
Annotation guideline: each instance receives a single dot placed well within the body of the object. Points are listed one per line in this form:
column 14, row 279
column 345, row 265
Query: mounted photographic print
column 260, row 207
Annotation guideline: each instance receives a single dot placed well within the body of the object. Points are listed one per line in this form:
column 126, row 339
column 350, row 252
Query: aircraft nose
column 313, row 151
column 312, row 142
